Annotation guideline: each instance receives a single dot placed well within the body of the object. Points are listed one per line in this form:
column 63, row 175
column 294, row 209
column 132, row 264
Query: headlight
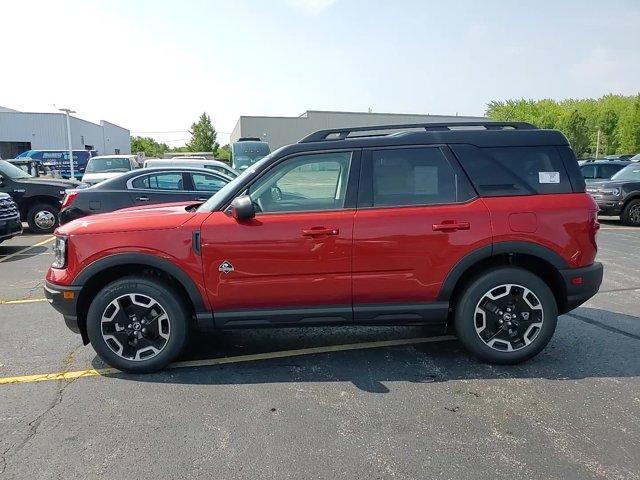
column 60, row 253
column 611, row 191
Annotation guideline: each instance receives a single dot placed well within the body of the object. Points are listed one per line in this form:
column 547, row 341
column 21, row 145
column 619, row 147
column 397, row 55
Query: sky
column 155, row 66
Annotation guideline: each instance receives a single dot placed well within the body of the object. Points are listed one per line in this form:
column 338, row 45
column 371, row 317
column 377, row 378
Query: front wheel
column 138, row 324
column 506, row 315
column 631, row 213
column 43, row 218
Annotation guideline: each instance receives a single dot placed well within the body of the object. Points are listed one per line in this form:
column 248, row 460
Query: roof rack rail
column 343, row 133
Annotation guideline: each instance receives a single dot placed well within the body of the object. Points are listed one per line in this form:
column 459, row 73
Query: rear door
column 417, row 216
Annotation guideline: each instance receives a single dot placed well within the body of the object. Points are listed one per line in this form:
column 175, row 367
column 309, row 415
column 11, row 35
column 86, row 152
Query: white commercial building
column 21, row 131
column 279, row 131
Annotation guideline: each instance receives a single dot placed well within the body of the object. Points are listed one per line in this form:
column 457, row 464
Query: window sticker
column 548, row 177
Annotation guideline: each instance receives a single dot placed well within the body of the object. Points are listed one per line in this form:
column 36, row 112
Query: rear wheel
column 631, row 213
column 506, row 315
column 43, row 218
column 138, row 324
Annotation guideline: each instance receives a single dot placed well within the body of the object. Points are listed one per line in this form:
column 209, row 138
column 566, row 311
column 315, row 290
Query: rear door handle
column 142, row 199
column 450, row 226
column 319, row 231
column 202, row 199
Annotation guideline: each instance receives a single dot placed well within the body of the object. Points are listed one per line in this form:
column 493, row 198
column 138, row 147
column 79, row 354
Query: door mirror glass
column 242, row 208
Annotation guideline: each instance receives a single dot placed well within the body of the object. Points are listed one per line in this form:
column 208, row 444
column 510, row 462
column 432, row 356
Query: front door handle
column 202, row 199
column 319, row 231
column 142, row 199
column 450, row 226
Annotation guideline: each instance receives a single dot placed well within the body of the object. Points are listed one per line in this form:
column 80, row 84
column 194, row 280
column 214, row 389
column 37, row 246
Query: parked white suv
column 107, row 166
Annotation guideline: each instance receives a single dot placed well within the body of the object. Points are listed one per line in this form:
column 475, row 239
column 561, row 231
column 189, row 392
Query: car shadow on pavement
column 578, row 350
column 11, row 249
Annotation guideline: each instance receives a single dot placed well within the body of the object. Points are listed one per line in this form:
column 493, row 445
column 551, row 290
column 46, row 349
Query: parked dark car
column 38, row 199
column 602, row 169
column 620, row 195
column 143, row 187
column 10, row 224
column 619, row 156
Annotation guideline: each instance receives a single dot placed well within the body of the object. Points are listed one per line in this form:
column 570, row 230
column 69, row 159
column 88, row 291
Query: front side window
column 304, row 183
column 160, row 181
column 207, row 183
column 414, row 176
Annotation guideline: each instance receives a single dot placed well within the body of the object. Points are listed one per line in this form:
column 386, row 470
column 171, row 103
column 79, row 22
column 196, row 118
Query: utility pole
column 598, row 144
column 69, row 111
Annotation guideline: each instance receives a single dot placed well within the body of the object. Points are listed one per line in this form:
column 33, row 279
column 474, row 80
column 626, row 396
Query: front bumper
column 64, row 299
column 580, row 291
column 10, row 227
column 608, row 205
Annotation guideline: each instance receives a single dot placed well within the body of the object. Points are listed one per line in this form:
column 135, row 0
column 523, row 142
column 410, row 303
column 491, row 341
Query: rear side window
column 161, row 181
column 506, row 171
column 415, row 176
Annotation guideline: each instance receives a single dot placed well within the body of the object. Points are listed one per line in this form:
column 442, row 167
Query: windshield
column 630, row 172
column 216, row 201
column 11, row 171
column 248, row 153
column 97, row 165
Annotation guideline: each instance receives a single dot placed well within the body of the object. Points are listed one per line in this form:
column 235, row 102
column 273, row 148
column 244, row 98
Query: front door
column 292, row 262
column 417, row 216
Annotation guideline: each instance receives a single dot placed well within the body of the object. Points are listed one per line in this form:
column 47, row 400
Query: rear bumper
column 64, row 299
column 579, row 291
column 10, row 227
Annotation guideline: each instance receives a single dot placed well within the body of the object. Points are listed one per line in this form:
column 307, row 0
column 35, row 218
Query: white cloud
column 313, row 6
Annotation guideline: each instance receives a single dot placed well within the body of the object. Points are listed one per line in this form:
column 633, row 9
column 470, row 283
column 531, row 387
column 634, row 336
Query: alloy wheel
column 44, row 219
column 634, row 214
column 135, row 327
column 508, row 317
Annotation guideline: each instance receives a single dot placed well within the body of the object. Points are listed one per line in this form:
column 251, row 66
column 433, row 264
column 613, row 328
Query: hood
column 52, row 182
column 606, row 184
column 148, row 217
column 98, row 177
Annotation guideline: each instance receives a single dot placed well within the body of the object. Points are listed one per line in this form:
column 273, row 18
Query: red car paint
column 378, row 254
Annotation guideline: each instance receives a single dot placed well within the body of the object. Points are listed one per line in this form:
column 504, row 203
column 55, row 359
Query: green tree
column 575, row 129
column 149, row 146
column 224, row 152
column 203, row 136
column 629, row 132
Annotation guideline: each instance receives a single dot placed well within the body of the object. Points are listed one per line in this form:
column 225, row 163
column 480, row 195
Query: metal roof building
column 21, row 131
column 279, row 131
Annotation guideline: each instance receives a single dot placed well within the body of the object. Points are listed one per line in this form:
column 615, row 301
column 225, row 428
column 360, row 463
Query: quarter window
column 304, row 183
column 161, row 181
column 415, row 176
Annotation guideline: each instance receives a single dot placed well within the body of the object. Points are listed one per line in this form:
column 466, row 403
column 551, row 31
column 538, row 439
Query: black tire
column 494, row 282
column 43, row 218
column 631, row 213
column 165, row 296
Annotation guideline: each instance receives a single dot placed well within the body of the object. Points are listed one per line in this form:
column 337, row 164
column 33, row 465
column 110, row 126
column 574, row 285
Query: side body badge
column 226, row 267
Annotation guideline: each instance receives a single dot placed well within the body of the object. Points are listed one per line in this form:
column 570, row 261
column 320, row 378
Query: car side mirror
column 242, row 208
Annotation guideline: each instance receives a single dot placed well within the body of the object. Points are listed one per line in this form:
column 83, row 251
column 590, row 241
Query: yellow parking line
column 24, row 300
column 20, row 252
column 92, row 372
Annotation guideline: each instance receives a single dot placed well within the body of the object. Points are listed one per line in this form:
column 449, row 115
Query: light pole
column 69, row 111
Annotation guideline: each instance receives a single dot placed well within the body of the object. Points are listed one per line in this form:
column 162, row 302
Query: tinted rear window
column 505, row 171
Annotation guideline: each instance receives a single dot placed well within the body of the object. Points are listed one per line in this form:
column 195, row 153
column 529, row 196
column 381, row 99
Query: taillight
column 68, row 198
column 594, row 226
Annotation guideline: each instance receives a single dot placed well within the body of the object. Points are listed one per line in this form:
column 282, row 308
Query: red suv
column 486, row 227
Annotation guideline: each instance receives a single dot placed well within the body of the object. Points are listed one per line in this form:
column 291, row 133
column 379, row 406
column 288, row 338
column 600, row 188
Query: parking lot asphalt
column 352, row 402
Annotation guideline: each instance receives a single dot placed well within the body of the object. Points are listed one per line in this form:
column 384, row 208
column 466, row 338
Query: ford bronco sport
column 485, row 227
